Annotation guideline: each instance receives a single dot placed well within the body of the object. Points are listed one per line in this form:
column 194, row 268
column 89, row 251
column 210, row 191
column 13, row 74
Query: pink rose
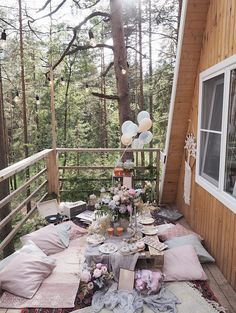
column 85, row 276
column 97, row 273
column 104, row 269
column 139, row 284
column 129, row 208
column 99, row 266
column 132, row 192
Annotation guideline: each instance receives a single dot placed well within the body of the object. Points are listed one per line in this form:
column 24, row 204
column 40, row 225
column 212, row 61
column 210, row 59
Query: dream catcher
column 191, row 149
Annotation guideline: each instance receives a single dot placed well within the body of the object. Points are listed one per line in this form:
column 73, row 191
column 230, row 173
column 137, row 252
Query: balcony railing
column 49, row 172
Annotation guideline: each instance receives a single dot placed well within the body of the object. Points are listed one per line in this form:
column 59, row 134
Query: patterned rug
column 82, row 302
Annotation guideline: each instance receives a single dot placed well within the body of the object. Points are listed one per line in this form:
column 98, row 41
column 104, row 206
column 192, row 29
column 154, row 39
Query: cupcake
column 140, row 245
column 125, row 250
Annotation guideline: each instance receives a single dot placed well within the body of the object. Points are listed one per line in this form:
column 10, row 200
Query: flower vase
column 124, row 222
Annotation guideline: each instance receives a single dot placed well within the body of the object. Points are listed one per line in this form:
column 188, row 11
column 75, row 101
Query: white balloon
column 125, row 125
column 129, row 128
column 137, row 144
column 145, row 124
column 126, row 140
column 145, row 137
column 142, row 115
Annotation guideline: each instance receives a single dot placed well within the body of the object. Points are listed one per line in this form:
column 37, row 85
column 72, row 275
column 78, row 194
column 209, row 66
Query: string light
column 17, row 98
column 92, row 39
column 63, row 81
column 37, row 100
column 3, row 41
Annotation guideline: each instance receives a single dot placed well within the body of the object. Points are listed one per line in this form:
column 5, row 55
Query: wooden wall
column 206, row 215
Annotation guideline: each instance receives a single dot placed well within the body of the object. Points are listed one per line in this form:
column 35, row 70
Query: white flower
column 97, row 273
column 85, row 276
column 112, row 204
column 90, row 285
column 104, row 269
column 116, row 198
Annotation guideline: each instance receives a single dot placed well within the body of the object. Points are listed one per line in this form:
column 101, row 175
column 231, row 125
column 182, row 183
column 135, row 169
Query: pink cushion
column 24, row 274
column 176, row 231
column 75, row 231
column 182, row 263
column 46, row 238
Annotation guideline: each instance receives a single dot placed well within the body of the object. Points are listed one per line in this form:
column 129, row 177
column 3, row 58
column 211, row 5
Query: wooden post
column 158, row 174
column 53, row 173
column 53, row 114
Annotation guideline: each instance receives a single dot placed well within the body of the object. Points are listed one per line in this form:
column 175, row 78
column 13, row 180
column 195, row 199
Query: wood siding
column 196, row 15
column 206, row 215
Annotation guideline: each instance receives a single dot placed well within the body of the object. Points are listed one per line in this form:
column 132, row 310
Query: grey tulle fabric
column 114, row 261
column 119, row 301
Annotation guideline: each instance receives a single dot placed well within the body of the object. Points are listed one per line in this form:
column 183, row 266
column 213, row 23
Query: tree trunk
column 4, row 185
column 140, row 56
column 103, row 106
column 24, row 110
column 120, row 60
column 141, row 97
column 150, row 74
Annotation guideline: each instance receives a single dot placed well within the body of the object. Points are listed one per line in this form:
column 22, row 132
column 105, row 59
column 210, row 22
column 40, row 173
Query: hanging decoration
column 130, row 130
column 191, row 148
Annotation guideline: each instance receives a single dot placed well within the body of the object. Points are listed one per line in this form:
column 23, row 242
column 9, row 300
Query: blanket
column 60, row 288
column 191, row 300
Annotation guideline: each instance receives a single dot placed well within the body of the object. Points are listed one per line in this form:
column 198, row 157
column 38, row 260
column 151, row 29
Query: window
column 216, row 157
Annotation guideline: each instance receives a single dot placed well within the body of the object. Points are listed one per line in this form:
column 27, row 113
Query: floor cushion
column 193, row 240
column 175, row 231
column 24, row 274
column 47, row 239
column 182, row 263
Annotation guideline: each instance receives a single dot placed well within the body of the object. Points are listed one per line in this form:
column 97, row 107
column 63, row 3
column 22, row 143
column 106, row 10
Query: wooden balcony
column 48, row 176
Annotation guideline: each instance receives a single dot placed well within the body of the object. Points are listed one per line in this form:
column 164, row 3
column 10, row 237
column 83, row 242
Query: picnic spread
column 109, row 260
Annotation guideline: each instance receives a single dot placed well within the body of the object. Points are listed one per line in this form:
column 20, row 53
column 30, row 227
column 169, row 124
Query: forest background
column 88, row 65
column 85, row 91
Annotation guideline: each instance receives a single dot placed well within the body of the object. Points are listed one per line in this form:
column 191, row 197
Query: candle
column 110, row 231
column 119, row 231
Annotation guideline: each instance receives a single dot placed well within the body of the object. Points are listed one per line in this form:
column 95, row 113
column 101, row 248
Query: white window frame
column 218, row 192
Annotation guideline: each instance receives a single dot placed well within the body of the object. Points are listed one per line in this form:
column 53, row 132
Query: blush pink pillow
column 24, row 274
column 46, row 238
column 182, row 263
column 176, row 231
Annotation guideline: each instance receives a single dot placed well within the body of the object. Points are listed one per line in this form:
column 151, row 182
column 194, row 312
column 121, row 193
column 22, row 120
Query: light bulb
column 123, row 71
column 16, row 99
column 93, row 42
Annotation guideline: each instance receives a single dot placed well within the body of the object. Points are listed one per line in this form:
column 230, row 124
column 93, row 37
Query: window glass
column 230, row 161
column 212, row 100
column 210, row 156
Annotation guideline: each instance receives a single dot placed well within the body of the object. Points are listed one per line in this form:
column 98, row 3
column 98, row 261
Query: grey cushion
column 193, row 240
column 63, row 232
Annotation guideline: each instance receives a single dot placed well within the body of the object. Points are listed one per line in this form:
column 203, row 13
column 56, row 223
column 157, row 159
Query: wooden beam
column 19, row 225
column 20, row 206
column 102, row 167
column 53, row 175
column 21, row 165
column 22, row 188
column 104, row 150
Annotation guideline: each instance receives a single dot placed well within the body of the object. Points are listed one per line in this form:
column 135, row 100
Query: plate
column 108, row 248
column 146, row 220
column 149, row 231
column 95, row 239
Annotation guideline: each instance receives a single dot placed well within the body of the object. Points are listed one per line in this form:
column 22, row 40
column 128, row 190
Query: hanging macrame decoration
column 190, row 146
